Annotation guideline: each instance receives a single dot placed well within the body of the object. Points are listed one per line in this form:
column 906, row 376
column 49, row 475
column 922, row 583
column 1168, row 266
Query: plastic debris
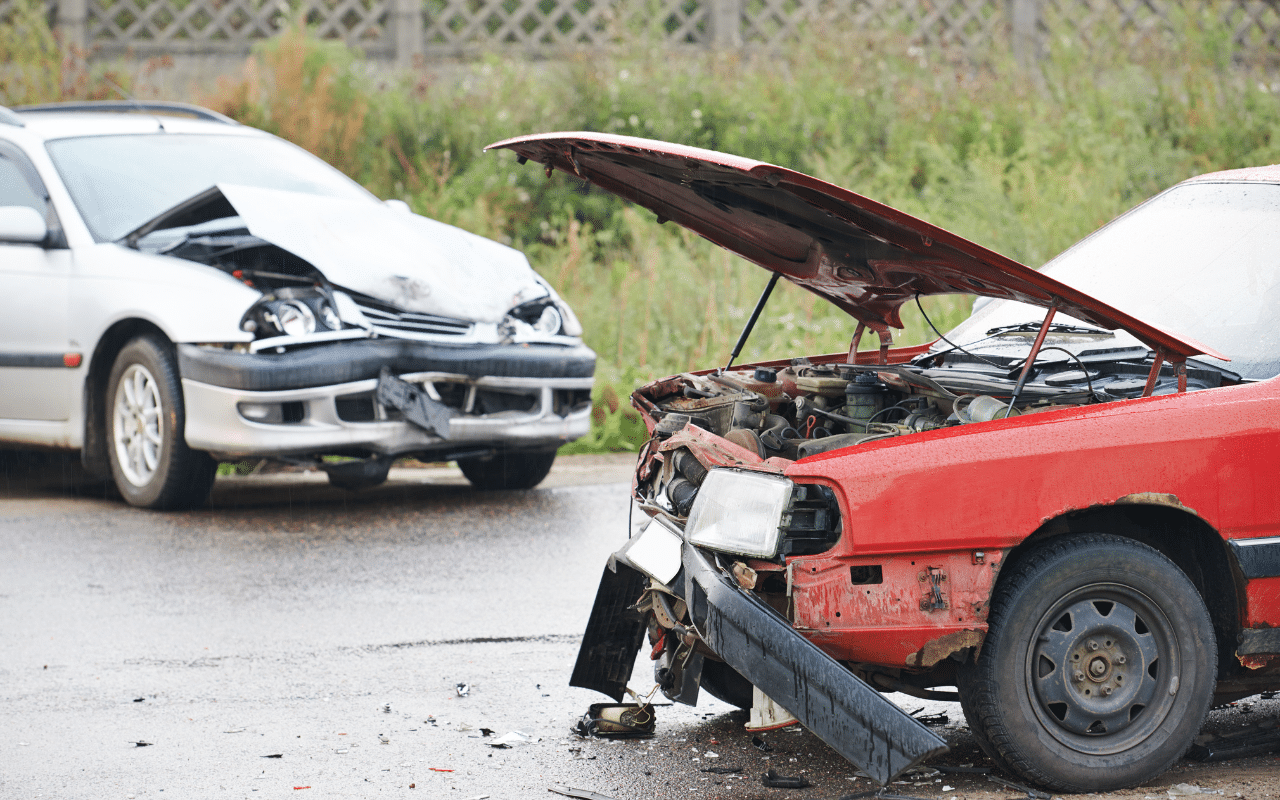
column 722, row 770
column 761, row 744
column 1034, row 794
column 383, row 739
column 963, row 769
column 775, row 781
column 386, row 709
column 581, row 794
column 438, row 769
column 275, row 755
column 933, row 720
column 463, row 689
column 1187, row 789
column 511, row 739
column 141, row 743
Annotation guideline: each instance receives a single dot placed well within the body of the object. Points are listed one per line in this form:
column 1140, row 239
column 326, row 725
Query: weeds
column 1023, row 164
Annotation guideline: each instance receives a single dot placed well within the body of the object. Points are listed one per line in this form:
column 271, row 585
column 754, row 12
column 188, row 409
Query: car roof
column 65, row 120
column 1265, row 174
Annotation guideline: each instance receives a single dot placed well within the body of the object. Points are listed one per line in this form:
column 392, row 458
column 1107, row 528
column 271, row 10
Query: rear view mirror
column 22, row 225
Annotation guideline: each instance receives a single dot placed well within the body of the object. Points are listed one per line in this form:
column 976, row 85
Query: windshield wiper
column 1057, row 327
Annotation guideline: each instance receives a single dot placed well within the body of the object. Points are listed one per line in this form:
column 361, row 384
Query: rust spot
column 1152, row 499
column 1259, row 661
column 935, row 650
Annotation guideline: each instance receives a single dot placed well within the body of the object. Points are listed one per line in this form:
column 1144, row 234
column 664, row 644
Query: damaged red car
column 1063, row 513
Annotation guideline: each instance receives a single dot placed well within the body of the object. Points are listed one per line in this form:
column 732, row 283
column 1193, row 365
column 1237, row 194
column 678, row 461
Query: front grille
column 389, row 317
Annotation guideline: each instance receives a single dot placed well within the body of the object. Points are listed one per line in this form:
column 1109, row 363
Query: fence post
column 726, row 23
column 72, row 23
column 406, row 20
column 1024, row 18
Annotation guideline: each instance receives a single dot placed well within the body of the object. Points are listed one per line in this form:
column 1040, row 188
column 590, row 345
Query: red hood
column 864, row 256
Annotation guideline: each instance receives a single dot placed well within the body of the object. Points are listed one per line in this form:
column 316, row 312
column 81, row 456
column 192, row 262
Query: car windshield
column 120, row 182
column 1201, row 260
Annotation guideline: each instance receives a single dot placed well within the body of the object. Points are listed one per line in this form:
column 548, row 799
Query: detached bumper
column 837, row 706
column 322, row 400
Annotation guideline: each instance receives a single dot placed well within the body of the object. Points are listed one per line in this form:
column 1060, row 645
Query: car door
column 39, row 377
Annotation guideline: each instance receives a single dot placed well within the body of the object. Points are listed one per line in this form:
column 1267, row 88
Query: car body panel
column 865, row 257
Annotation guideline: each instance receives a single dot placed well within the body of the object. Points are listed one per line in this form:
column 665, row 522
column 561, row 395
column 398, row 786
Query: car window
column 120, row 182
column 1200, row 260
column 14, row 188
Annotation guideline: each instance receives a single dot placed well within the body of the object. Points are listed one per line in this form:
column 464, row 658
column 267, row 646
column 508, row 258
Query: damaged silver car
column 181, row 290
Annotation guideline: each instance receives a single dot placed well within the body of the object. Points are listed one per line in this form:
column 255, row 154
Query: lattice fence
column 407, row 29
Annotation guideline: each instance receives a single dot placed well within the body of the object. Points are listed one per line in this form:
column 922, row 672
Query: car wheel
column 1098, row 667
column 511, row 469
column 150, row 461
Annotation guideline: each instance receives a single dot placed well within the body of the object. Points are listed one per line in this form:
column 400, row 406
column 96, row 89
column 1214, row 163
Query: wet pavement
column 294, row 640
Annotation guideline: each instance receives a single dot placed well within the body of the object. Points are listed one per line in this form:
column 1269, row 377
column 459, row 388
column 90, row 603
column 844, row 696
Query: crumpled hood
column 863, row 256
column 414, row 262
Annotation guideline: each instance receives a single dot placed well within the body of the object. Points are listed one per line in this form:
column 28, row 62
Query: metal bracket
column 933, row 599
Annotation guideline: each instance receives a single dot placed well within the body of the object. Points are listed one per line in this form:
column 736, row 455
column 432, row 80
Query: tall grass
column 1023, row 163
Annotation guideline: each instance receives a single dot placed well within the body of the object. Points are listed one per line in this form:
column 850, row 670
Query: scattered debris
column 881, row 794
column 438, row 769
column 463, row 689
column 486, row 731
column 775, row 781
column 933, row 720
column 722, row 770
column 296, row 788
column 1252, row 740
column 1033, row 794
column 511, row 739
column 386, row 709
column 761, row 744
column 235, row 730
column 275, row 755
column 383, row 739
column 1188, row 789
column 962, row 770
column 141, row 743
column 139, row 699
column 922, row 772
column 581, row 794
column 619, row 721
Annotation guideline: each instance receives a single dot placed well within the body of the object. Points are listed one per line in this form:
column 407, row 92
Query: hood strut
column 751, row 323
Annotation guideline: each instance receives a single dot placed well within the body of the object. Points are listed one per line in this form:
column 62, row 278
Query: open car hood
column 867, row 258
column 399, row 257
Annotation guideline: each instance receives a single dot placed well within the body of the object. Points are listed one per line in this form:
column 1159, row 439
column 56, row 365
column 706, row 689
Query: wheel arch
column 1177, row 532
column 93, row 454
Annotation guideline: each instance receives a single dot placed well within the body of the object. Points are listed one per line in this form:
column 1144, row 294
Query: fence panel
column 407, row 29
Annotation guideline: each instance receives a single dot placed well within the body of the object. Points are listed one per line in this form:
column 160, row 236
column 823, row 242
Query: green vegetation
column 1024, row 164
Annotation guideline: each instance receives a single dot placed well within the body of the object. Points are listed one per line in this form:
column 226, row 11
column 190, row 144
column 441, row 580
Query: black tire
column 509, row 469
column 727, row 684
column 150, row 461
column 1142, row 666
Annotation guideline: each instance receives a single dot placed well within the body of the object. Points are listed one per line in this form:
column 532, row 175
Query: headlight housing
column 740, row 512
column 549, row 316
column 291, row 312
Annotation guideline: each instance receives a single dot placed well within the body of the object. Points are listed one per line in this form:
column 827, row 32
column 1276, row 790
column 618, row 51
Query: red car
column 1063, row 515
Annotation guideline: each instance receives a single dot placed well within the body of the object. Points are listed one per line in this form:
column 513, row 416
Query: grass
column 1022, row 162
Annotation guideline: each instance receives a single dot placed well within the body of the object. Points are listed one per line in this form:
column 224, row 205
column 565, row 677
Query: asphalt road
column 293, row 640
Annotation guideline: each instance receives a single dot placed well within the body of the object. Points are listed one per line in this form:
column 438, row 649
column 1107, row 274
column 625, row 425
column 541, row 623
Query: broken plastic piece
column 511, row 739
column 581, row 794
column 1034, row 794
column 775, row 781
column 141, row 743
column 767, row 715
column 761, row 744
column 463, row 689
column 722, row 770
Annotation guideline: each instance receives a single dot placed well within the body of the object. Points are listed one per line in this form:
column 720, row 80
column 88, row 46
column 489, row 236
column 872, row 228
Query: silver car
column 179, row 290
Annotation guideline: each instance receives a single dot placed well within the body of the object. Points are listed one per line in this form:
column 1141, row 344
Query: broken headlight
column 740, row 513
column 548, row 315
column 291, row 312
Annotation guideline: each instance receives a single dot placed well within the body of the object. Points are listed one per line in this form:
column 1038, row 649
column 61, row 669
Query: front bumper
column 825, row 696
column 324, row 398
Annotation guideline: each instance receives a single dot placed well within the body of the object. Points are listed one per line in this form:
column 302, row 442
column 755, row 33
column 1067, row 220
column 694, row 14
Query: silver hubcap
column 136, row 430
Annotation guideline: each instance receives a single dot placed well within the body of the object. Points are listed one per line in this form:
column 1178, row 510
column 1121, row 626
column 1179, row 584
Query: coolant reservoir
column 864, row 396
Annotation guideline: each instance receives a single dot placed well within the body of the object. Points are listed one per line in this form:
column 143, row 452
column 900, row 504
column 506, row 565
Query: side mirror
column 22, row 225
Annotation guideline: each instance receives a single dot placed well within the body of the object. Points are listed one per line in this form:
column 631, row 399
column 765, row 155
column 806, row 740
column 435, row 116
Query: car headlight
column 549, row 316
column 549, row 321
column 740, row 513
column 295, row 319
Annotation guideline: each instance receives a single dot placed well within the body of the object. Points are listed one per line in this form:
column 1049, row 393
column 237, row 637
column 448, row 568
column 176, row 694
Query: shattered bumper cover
column 837, row 706
column 324, row 398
